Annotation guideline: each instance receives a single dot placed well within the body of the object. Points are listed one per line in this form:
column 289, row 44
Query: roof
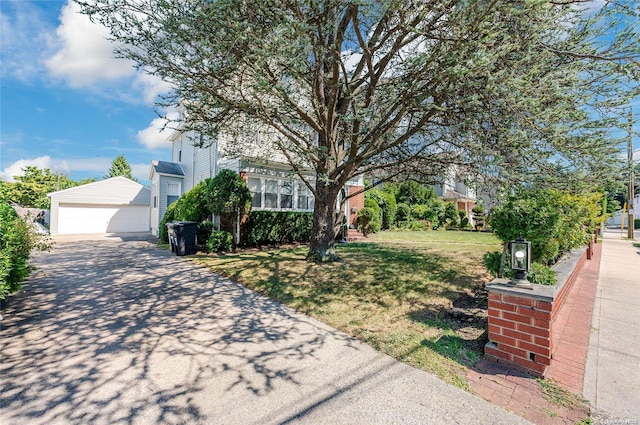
column 164, row 167
column 115, row 191
column 455, row 195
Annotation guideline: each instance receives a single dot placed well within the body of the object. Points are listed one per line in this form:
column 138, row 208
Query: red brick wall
column 520, row 331
column 356, row 202
column 520, row 325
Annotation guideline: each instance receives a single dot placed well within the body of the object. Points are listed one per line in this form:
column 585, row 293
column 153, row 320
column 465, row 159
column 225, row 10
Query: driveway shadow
column 120, row 332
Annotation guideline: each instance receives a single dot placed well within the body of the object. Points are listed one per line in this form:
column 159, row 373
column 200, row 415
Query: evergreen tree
column 120, row 167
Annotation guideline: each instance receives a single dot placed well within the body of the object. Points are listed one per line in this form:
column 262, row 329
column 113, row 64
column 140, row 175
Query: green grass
column 391, row 293
column 559, row 396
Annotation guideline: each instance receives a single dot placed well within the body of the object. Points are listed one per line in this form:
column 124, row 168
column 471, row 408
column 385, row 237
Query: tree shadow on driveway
column 124, row 332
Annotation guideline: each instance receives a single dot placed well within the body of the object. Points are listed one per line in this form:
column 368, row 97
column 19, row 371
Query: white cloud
column 151, row 86
column 16, row 169
column 85, row 56
column 25, row 38
column 153, row 137
column 84, row 59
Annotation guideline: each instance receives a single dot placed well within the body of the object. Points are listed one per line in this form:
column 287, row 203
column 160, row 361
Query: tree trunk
column 323, row 237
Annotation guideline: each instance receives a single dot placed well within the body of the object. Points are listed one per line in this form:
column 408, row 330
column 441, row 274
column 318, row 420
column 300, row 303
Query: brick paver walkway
column 523, row 394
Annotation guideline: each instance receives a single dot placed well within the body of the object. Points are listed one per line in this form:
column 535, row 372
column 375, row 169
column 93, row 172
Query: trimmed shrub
column 277, row 227
column 451, row 215
column 368, row 220
column 403, row 213
column 386, row 201
column 192, row 205
column 478, row 217
column 220, row 241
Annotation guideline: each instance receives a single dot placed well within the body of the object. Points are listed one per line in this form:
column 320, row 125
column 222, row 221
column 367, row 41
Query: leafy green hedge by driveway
column 277, row 227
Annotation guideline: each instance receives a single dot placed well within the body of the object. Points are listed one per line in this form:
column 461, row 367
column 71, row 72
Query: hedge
column 277, row 227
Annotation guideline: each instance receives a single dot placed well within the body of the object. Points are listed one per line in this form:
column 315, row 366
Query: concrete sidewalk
column 612, row 374
column 117, row 331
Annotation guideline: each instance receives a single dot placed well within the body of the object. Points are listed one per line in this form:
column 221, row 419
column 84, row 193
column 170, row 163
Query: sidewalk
column 597, row 353
column 612, row 377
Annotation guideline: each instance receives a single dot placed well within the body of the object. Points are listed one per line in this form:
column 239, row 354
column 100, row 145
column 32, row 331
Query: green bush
column 169, row 216
column 492, row 263
column 419, row 225
column 636, row 223
column 553, row 221
column 220, row 241
column 17, row 240
column 277, row 227
column 192, row 205
column 368, row 220
column 386, row 201
column 478, row 216
column 451, row 215
column 403, row 213
column 542, row 275
column 204, row 231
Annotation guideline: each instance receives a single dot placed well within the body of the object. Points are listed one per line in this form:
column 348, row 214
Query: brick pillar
column 520, row 331
column 521, row 319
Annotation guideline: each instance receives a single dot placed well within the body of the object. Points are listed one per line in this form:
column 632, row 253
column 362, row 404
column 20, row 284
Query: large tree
column 120, row 167
column 511, row 89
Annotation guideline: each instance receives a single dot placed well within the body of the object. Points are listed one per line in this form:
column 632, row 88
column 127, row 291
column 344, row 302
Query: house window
column 286, row 195
column 173, row 193
column 271, row 194
column 305, row 200
column 255, row 187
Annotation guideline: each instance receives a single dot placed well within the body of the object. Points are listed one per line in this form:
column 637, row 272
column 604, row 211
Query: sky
column 65, row 102
column 68, row 105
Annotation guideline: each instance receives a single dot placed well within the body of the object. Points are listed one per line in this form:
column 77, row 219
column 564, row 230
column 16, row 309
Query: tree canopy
column 30, row 189
column 120, row 167
column 520, row 91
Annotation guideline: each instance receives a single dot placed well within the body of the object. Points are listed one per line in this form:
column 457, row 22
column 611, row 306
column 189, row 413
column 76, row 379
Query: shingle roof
column 164, row 167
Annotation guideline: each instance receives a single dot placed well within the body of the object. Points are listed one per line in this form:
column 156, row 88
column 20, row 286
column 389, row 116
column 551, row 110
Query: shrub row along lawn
column 410, row 295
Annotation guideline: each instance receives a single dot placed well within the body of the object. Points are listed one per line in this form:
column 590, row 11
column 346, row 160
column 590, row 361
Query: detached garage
column 115, row 205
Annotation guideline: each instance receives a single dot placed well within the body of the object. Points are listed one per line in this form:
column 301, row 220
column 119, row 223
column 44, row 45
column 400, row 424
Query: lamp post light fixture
column 521, row 262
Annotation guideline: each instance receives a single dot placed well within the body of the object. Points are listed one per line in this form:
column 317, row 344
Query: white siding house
column 272, row 184
column 115, row 205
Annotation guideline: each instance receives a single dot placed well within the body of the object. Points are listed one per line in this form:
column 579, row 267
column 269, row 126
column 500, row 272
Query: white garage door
column 102, row 219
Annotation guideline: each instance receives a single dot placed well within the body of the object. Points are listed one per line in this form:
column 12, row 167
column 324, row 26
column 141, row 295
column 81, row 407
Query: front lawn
column 417, row 296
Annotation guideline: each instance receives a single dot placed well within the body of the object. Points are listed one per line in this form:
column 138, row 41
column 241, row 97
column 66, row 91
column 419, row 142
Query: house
column 453, row 189
column 273, row 185
column 115, row 205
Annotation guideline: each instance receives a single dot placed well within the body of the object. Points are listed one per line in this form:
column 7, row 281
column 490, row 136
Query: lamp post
column 520, row 262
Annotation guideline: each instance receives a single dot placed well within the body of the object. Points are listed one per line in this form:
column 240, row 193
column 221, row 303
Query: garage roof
column 114, row 191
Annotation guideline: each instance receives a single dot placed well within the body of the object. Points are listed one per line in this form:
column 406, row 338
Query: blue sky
column 66, row 104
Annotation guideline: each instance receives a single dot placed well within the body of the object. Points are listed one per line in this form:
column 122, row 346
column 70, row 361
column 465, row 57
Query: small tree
column 478, row 217
column 120, row 167
column 228, row 196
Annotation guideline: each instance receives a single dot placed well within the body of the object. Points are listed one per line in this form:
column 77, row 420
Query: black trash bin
column 182, row 237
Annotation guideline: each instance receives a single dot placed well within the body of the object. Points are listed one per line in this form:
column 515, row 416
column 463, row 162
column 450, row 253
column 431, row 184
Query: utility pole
column 630, row 221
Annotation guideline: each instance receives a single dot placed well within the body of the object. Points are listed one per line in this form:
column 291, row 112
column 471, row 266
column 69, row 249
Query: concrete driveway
column 118, row 331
